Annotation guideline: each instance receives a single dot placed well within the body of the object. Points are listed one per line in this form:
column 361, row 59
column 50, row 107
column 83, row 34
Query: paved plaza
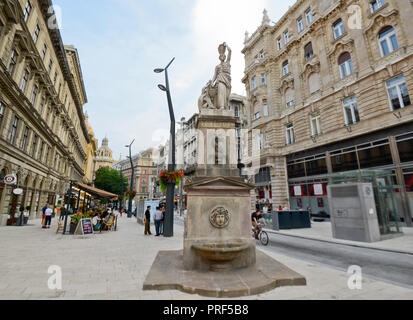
column 114, row 266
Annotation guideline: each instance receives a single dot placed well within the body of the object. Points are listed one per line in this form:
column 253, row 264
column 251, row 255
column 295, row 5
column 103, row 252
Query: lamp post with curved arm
column 132, row 178
column 170, row 191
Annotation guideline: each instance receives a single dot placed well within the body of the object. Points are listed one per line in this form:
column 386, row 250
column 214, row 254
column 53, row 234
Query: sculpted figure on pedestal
column 215, row 95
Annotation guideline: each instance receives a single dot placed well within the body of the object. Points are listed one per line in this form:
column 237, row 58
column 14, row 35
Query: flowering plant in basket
column 170, row 176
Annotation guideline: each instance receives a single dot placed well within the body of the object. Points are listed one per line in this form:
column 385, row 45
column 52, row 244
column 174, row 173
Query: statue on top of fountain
column 215, row 95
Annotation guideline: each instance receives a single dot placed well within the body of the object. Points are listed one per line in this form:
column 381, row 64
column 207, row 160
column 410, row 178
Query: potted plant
column 75, row 219
column 19, row 215
column 26, row 214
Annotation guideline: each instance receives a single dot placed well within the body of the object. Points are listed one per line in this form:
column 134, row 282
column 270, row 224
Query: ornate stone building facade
column 104, row 156
column 91, row 154
column 43, row 136
column 331, row 88
column 145, row 166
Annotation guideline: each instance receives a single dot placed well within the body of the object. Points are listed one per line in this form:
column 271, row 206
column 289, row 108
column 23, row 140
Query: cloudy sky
column 121, row 42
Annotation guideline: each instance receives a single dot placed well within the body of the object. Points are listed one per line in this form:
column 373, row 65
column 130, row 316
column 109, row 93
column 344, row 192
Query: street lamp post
column 169, row 217
column 182, row 123
column 132, row 178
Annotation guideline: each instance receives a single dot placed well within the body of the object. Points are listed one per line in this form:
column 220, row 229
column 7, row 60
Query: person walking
column 44, row 215
column 158, row 219
column 48, row 219
column 147, row 221
column 163, row 218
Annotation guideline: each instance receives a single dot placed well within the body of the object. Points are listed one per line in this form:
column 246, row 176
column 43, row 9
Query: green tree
column 111, row 180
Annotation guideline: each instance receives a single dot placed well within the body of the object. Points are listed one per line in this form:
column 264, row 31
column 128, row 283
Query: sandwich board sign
column 84, row 227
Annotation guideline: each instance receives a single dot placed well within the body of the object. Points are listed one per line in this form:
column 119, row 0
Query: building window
column 308, row 50
column 351, row 113
column 314, row 82
column 55, row 78
column 286, row 68
column 41, row 105
column 41, row 151
column 388, row 40
column 309, row 16
column 34, row 94
column 261, row 141
column 236, row 111
column 36, row 34
column 24, row 80
column 27, row 11
column 290, row 134
column 286, row 37
column 34, row 145
column 300, row 24
column 13, row 62
column 263, row 79
column 265, row 110
column 398, row 93
column 13, row 130
column 24, row 140
column 254, row 82
column 279, row 43
column 262, row 55
column 257, row 114
column 44, row 51
column 289, row 97
column 315, row 125
column 46, row 160
column 376, row 5
column 338, row 29
column 346, row 64
column 1, row 112
column 50, row 66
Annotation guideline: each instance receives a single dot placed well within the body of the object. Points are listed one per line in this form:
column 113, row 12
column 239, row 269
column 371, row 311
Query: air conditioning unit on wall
column 353, row 212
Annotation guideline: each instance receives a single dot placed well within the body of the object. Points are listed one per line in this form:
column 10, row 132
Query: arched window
column 388, row 40
column 314, row 82
column 289, row 97
column 346, row 64
column 286, row 68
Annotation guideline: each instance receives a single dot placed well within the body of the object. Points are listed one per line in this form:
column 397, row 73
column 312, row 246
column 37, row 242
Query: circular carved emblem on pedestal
column 219, row 218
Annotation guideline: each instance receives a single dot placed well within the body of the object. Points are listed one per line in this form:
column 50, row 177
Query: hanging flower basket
column 167, row 176
column 130, row 194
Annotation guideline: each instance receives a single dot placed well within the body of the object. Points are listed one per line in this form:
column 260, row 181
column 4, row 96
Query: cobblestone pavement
column 114, row 266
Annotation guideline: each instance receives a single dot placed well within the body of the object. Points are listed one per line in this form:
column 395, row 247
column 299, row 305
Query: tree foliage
column 110, row 180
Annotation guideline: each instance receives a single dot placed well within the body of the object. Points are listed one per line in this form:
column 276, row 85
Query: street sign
column 10, row 179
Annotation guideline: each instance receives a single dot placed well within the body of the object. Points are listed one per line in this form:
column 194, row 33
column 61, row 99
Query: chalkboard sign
column 84, row 227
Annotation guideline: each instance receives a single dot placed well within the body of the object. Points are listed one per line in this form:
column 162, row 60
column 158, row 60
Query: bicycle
column 262, row 235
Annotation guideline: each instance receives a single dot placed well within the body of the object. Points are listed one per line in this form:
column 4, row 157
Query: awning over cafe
column 96, row 192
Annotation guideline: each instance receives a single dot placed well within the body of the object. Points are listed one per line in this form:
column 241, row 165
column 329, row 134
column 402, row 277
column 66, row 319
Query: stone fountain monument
column 219, row 258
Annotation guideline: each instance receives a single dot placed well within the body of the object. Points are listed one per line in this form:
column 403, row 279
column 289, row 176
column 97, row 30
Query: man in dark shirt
column 147, row 221
column 255, row 218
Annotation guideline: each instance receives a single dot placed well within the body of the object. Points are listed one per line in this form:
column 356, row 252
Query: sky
column 121, row 42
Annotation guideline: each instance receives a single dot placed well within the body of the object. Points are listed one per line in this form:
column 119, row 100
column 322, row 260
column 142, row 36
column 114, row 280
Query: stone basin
column 220, row 254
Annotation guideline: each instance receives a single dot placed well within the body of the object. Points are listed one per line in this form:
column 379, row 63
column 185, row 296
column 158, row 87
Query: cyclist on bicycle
column 255, row 219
